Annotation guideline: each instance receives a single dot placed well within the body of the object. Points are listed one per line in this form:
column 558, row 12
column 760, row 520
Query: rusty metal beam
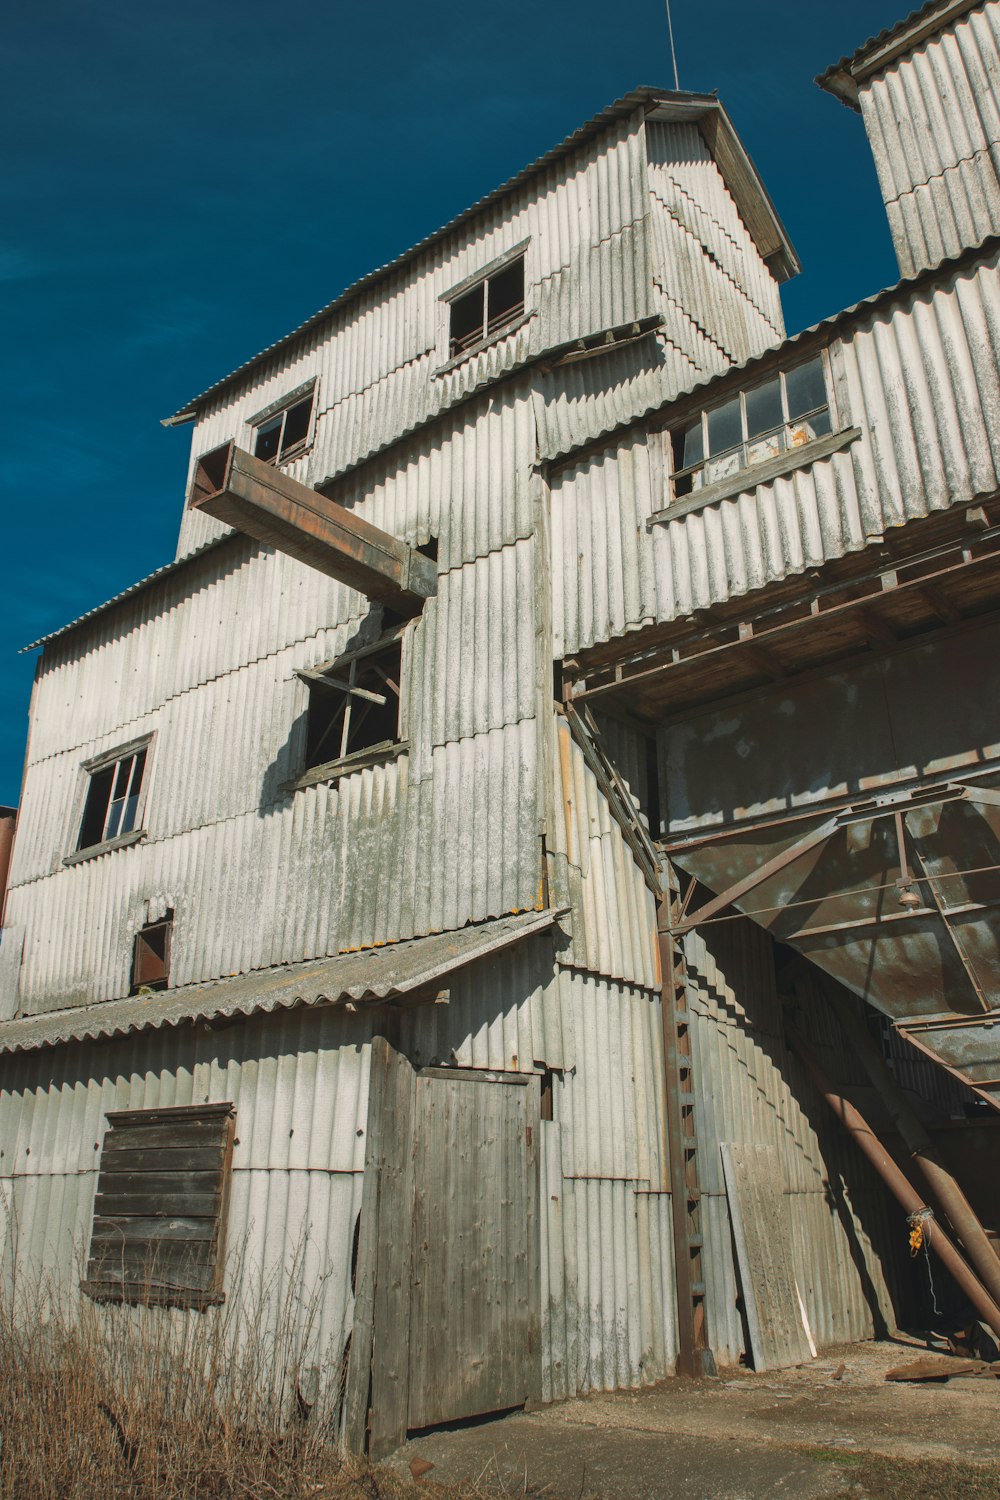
column 257, row 498
column 898, row 1184
column 924, row 1154
column 756, row 877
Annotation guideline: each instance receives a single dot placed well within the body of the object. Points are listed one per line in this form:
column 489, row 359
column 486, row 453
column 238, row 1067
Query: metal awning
column 365, row 977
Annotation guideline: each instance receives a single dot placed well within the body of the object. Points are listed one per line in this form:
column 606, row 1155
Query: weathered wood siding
column 933, row 121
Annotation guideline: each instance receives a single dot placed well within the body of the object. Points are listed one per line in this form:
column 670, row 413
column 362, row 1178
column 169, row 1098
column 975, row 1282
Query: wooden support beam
column 257, row 498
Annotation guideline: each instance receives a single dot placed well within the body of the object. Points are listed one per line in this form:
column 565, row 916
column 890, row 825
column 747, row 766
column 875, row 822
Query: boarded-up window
column 160, row 1212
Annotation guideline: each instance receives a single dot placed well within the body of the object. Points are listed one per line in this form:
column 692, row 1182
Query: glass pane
column 132, row 799
column 764, row 408
column 297, row 424
column 805, row 388
column 114, row 818
column 692, row 445
column 725, row 427
column 266, row 446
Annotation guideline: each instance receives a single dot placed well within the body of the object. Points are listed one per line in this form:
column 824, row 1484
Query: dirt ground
column 800, row 1434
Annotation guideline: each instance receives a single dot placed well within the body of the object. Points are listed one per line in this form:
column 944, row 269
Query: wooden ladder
column 694, row 1357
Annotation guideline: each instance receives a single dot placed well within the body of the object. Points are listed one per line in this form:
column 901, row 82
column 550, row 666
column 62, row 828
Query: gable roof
column 738, row 171
column 842, row 78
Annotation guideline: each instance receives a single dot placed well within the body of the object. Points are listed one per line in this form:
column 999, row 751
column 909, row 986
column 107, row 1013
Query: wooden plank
column 475, row 1308
column 179, row 1114
column 137, row 1272
column 162, row 1229
column 208, row 1158
column 391, row 1312
column 357, row 1397
column 185, row 1259
column 171, row 1136
column 158, row 1205
column 758, row 1210
column 168, row 1184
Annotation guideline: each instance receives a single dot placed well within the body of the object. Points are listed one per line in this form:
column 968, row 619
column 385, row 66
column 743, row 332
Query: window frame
column 159, row 1147
column 481, row 279
column 139, row 986
column 749, row 473
column 88, row 770
column 329, row 676
column 280, row 408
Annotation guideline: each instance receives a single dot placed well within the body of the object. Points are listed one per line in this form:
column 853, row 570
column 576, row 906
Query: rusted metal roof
column 840, row 78
column 741, row 176
column 370, row 975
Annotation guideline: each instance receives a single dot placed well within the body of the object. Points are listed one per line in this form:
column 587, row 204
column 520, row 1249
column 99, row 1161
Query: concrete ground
column 797, row 1434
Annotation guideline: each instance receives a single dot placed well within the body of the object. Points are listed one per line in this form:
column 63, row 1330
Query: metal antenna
column 673, row 53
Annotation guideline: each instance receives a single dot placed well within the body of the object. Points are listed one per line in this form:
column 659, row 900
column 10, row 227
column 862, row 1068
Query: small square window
column 354, row 703
column 487, row 308
column 151, row 955
column 114, row 798
column 159, row 1226
column 285, row 432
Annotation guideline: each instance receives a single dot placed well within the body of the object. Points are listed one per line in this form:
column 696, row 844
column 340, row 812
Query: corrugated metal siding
column 300, row 1086
column 375, row 361
column 613, row 921
column 749, row 1089
column 933, row 120
column 921, row 381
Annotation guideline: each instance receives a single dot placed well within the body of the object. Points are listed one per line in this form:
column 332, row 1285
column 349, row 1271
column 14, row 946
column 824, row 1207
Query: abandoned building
column 561, row 760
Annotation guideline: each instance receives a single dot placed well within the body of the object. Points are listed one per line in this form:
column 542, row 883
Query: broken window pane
column 467, row 320
column 296, row 424
column 505, row 295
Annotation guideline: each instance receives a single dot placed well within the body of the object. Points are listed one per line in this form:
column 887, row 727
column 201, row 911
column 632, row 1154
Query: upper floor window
column 782, row 414
column 113, row 804
column 354, row 703
column 283, row 431
column 486, row 308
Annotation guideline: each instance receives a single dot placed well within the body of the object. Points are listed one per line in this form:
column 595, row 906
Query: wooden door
column 474, row 1296
column 447, row 1312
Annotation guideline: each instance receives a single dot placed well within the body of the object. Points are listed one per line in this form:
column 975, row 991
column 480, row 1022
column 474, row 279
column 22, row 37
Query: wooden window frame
column 94, row 767
column 340, row 676
column 795, row 434
column 457, row 351
column 279, row 410
column 158, row 1236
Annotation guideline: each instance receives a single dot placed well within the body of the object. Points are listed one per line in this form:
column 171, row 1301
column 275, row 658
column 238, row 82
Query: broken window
column 151, row 955
column 354, row 702
column 284, row 433
column 781, row 414
column 160, row 1211
column 487, row 308
column 114, row 797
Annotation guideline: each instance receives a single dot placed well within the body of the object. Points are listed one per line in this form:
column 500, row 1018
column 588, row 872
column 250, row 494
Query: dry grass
column 875, row 1478
column 114, row 1403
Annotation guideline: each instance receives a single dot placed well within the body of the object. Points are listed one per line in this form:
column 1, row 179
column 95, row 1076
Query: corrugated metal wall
column 920, row 378
column 299, row 1082
column 933, row 121
column 378, row 358
column 205, row 661
column 750, row 1089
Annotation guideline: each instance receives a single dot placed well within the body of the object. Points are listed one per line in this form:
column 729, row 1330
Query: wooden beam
column 257, row 498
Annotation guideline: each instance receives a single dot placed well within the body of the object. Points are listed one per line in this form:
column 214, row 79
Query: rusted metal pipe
column 867, row 1141
column 257, row 498
column 944, row 1189
column 8, row 822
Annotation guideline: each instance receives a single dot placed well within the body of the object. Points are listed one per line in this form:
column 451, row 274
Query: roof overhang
column 395, row 972
column 843, row 78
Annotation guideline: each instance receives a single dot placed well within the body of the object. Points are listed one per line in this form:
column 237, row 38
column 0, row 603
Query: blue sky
column 182, row 184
